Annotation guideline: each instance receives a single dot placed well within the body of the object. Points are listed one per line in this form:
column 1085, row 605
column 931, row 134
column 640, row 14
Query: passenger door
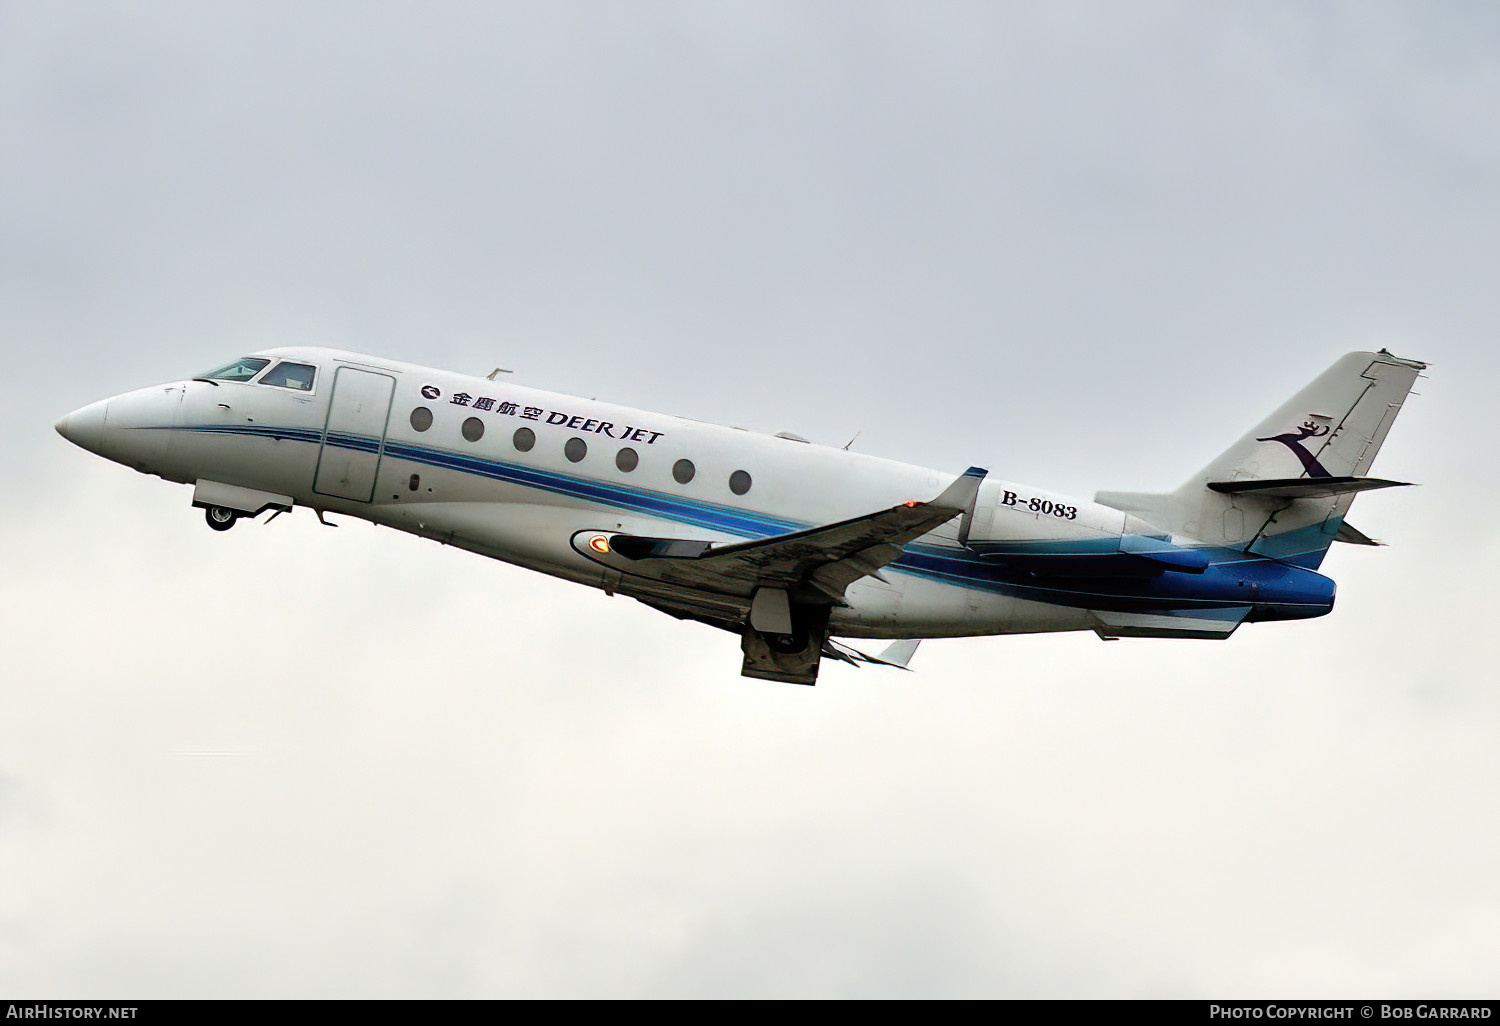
column 354, row 434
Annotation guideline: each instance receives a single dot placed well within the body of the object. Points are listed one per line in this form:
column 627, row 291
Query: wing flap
column 897, row 654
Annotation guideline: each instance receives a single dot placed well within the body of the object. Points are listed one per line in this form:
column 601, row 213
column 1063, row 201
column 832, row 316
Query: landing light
column 600, row 544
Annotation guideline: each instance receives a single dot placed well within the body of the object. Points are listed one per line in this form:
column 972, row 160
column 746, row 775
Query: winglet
column 962, row 492
column 961, row 495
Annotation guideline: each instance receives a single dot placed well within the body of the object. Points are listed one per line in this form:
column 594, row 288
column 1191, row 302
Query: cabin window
column 291, row 375
column 627, row 459
column 739, row 482
column 683, row 471
column 473, row 429
column 243, row 369
column 523, row 439
column 415, row 482
column 421, row 418
column 575, row 450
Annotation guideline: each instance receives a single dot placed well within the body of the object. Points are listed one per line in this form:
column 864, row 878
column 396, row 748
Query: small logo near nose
column 431, row 392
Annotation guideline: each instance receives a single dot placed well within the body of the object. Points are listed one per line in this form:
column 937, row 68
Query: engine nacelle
column 1044, row 532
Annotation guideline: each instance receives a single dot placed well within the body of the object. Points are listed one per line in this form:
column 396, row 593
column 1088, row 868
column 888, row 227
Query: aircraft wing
column 827, row 558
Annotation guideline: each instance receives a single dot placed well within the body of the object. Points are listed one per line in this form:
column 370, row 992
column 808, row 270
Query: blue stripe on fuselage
column 1232, row 576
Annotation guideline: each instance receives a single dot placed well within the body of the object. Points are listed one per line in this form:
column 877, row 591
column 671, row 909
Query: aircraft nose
column 85, row 427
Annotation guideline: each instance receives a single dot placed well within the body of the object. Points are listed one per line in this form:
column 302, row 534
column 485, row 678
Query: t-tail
column 1283, row 490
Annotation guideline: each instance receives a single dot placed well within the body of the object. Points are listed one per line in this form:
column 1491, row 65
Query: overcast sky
column 1086, row 245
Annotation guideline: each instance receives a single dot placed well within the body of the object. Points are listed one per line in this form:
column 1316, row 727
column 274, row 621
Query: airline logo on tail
column 1294, row 440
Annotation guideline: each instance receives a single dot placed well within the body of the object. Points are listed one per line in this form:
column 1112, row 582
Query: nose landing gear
column 223, row 504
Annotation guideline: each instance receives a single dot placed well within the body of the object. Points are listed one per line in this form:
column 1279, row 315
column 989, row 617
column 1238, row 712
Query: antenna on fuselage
column 498, row 370
column 854, row 439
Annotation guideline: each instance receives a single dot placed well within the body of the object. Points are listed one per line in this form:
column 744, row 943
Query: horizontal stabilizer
column 1304, row 487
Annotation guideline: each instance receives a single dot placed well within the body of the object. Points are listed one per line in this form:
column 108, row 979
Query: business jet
column 795, row 547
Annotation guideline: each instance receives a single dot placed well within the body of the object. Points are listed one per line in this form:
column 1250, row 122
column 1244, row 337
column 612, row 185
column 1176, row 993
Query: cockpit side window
column 291, row 375
column 243, row 369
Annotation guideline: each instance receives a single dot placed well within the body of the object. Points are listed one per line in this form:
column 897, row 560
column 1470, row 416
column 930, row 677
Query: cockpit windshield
column 243, row 369
column 291, row 375
column 297, row 376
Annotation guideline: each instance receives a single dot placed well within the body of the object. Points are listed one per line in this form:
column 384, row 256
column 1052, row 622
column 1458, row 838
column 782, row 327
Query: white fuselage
column 371, row 455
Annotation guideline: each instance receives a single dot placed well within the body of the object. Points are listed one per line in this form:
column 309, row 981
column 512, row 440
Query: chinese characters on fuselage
column 557, row 418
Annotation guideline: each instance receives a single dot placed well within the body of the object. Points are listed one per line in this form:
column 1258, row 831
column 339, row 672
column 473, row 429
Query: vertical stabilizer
column 1326, row 435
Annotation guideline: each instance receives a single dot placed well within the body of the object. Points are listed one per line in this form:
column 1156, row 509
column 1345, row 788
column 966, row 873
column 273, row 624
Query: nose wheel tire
column 219, row 518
